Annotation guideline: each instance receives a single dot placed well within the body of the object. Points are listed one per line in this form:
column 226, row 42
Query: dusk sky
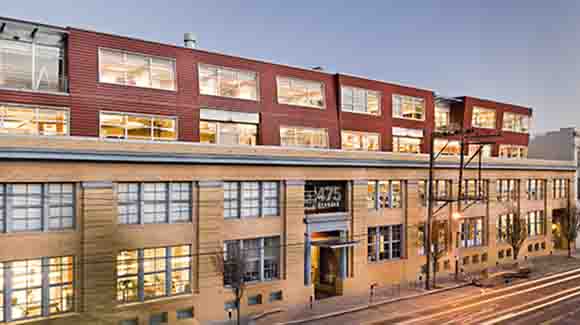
column 525, row 52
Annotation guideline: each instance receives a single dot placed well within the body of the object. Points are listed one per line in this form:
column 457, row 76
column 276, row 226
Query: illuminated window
column 385, row 243
column 251, row 199
column 37, row 207
column 130, row 69
column 385, row 194
column 504, row 222
column 513, row 151
column 409, row 107
column 442, row 116
column 441, row 191
column 33, row 282
column 507, row 190
column 407, row 140
column 228, row 133
column 485, row 150
column 535, row 189
column 560, row 189
column 357, row 100
column 303, row 137
column 483, row 118
column 137, row 126
column 366, row 141
column 536, row 223
column 228, row 82
column 471, row 234
column 262, row 256
column 440, row 237
column 475, row 190
column 307, row 93
column 447, row 148
column 153, row 281
column 33, row 120
column 32, row 58
column 153, row 202
column 514, row 122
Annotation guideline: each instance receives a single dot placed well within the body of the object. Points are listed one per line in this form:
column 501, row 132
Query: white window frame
column 126, row 130
column 37, row 109
column 413, row 98
column 360, row 134
column 516, row 115
column 366, row 95
column 376, row 230
column 483, row 109
column 296, row 128
column 294, row 79
column 236, row 70
column 261, row 200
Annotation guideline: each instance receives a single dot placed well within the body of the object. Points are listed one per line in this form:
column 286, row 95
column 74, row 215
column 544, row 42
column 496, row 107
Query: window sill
column 35, row 91
column 517, row 132
column 154, row 300
column 40, row 319
column 256, row 101
column 258, row 283
column 361, row 113
column 408, row 119
column 251, row 218
column 173, row 91
column 389, row 261
column 39, row 232
column 142, row 225
column 321, row 108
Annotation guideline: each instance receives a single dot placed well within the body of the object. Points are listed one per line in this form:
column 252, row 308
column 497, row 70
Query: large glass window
column 153, row 272
column 441, row 191
column 447, row 147
column 507, row 190
column 251, row 199
column 385, row 243
column 292, row 91
column 303, row 137
column 561, row 188
column 228, row 82
column 513, row 151
column 407, row 140
column 504, row 223
column 131, row 69
column 153, row 202
column 442, row 116
column 228, row 133
column 536, row 223
column 365, row 141
column 385, row 194
column 485, row 150
column 357, row 100
column 262, row 256
column 135, row 126
column 33, row 282
column 409, row 107
column 535, row 189
column 514, row 122
column 475, row 190
column 33, row 120
column 37, row 207
column 483, row 118
column 32, row 58
column 471, row 234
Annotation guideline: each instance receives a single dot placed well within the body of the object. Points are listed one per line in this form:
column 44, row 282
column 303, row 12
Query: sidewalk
column 345, row 304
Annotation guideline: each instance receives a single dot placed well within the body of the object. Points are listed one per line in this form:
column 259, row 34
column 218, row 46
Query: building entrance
column 325, row 264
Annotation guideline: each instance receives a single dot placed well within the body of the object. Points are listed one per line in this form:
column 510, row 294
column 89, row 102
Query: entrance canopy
column 335, row 243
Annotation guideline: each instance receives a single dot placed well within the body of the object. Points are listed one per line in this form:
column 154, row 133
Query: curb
column 372, row 305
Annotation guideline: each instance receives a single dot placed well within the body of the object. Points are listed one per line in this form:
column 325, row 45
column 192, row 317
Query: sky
column 525, row 52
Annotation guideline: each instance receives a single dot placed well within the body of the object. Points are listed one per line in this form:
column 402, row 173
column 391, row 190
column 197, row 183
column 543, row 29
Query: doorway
column 325, row 265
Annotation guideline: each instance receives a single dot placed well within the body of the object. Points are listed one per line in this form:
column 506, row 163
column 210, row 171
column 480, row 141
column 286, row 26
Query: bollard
column 311, row 302
column 372, row 292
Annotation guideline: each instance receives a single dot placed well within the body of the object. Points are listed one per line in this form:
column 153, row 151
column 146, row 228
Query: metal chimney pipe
column 190, row 40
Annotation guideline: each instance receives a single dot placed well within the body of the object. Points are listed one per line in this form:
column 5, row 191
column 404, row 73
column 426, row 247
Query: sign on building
column 324, row 197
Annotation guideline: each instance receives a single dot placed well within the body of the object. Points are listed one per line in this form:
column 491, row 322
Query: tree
column 231, row 264
column 516, row 230
column 570, row 227
column 439, row 244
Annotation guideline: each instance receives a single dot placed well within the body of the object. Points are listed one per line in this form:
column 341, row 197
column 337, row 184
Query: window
column 441, row 191
column 37, row 207
column 276, row 296
column 357, row 100
column 514, row 122
column 130, row 69
column 561, row 189
column 485, row 150
column 228, row 82
column 535, row 189
column 255, row 300
column 228, row 127
column 158, row 319
column 144, row 273
column 507, row 190
column 251, row 199
column 153, row 203
column 33, row 120
column 298, row 92
column 483, row 118
column 536, row 223
column 447, row 148
column 385, row 243
column 504, row 224
column 500, row 254
column 303, row 137
column 131, row 126
column 442, row 116
column 33, row 282
column 407, row 140
column 32, row 58
column 408, row 107
column 366, row 141
column 471, row 234
column 513, row 151
column 475, row 190
column 262, row 256
column 185, row 313
column 384, row 195
column 440, row 239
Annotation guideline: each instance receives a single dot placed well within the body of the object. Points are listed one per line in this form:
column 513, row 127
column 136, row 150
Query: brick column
column 97, row 262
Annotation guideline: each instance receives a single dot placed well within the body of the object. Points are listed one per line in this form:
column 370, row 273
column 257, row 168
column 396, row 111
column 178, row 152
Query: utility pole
column 429, row 212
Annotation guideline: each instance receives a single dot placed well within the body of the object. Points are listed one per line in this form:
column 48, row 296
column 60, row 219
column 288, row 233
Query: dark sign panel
column 324, row 197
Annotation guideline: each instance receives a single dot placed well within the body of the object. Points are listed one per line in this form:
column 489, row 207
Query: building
column 131, row 166
column 563, row 144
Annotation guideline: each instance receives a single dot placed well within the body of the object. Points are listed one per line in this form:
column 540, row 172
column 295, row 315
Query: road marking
column 424, row 318
column 523, row 312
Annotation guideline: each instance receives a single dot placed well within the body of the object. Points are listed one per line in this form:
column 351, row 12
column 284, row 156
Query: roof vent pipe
column 190, row 40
